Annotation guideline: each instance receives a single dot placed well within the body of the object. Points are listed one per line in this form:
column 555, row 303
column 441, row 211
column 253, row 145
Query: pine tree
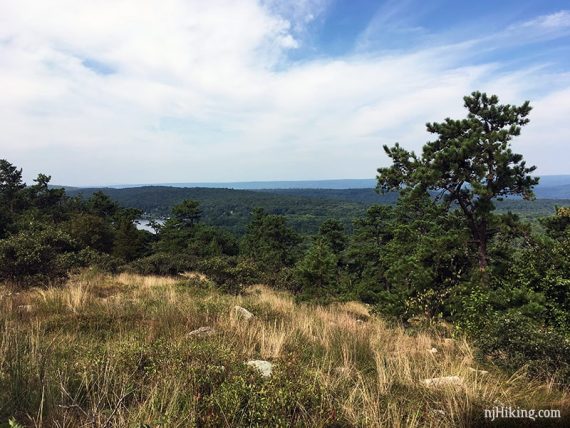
column 317, row 271
column 270, row 242
column 333, row 232
column 470, row 164
column 10, row 184
column 187, row 213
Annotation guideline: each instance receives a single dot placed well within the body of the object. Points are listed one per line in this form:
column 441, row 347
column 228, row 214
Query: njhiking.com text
column 507, row 412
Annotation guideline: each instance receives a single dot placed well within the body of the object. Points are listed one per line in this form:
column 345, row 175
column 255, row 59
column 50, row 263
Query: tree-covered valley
column 305, row 209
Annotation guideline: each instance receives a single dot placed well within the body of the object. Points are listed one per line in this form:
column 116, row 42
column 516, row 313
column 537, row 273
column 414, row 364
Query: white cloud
column 541, row 28
column 144, row 91
column 556, row 20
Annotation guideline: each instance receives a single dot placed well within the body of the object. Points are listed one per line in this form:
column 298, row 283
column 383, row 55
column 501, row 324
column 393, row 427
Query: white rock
column 432, row 351
column 243, row 313
column 202, row 331
column 476, row 371
column 265, row 368
column 443, row 381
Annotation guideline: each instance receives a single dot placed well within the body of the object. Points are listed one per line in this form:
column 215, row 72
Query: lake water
column 145, row 224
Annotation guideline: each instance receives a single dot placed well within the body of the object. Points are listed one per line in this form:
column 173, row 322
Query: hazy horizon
column 331, row 183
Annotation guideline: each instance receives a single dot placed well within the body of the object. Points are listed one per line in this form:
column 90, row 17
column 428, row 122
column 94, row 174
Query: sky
column 97, row 92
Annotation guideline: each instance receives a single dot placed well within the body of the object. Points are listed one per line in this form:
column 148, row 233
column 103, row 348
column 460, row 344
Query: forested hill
column 527, row 209
column 549, row 187
column 305, row 209
column 232, row 208
column 362, row 196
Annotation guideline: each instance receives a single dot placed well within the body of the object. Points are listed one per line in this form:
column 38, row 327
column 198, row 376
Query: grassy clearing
column 114, row 352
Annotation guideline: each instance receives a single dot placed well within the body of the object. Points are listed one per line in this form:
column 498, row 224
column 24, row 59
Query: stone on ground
column 202, row 331
column 243, row 313
column 443, row 381
column 265, row 368
column 477, row 371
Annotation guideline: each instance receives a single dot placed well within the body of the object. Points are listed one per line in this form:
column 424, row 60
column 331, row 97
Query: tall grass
column 109, row 351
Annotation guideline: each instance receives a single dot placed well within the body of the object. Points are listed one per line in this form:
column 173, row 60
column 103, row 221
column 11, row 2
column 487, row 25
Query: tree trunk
column 479, row 235
column 482, row 254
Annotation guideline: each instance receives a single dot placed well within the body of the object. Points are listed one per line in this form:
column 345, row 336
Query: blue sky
column 142, row 91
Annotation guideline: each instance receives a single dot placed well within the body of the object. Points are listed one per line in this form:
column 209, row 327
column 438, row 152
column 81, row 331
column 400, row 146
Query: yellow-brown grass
column 368, row 373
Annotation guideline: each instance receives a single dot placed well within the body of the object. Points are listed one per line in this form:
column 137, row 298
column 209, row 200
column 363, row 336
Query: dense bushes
column 520, row 317
column 230, row 273
column 283, row 401
column 44, row 234
column 36, row 256
column 513, row 340
column 162, row 264
column 46, row 255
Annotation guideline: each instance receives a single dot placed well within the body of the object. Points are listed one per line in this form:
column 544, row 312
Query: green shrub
column 229, row 273
column 285, row 280
column 162, row 264
column 35, row 256
column 89, row 257
column 289, row 399
column 513, row 340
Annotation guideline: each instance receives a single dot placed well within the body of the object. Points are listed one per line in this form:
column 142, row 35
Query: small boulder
column 444, row 381
column 202, row 331
column 265, row 368
column 476, row 371
column 243, row 313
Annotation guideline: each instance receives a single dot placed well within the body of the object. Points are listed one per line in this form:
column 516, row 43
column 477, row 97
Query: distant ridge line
column 552, row 186
column 350, row 183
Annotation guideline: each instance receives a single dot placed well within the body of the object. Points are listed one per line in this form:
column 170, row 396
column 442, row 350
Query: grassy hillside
column 115, row 351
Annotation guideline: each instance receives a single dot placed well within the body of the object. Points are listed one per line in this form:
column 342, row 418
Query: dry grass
column 113, row 351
